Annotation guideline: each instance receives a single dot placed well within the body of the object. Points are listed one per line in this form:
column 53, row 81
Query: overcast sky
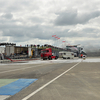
column 35, row 21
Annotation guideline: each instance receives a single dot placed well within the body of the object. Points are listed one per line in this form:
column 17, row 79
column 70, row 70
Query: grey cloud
column 72, row 17
column 22, row 21
column 18, row 5
column 3, row 39
column 7, row 16
column 92, row 32
column 24, row 33
column 86, row 32
column 36, row 19
column 19, row 39
column 66, row 18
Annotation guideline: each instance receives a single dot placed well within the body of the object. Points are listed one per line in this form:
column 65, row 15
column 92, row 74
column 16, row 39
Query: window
column 43, row 51
column 64, row 53
column 47, row 50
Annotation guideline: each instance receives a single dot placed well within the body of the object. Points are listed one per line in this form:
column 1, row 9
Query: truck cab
column 48, row 54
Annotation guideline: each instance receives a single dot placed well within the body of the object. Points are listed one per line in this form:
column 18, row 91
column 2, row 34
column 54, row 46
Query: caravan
column 66, row 55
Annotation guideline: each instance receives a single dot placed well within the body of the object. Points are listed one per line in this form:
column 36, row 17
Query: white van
column 66, row 55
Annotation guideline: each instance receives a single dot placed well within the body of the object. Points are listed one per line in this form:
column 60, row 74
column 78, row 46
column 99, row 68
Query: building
column 76, row 49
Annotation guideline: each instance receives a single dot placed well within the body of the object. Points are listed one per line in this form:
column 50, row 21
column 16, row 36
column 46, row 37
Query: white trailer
column 66, row 55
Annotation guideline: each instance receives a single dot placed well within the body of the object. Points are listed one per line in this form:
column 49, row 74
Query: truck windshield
column 44, row 51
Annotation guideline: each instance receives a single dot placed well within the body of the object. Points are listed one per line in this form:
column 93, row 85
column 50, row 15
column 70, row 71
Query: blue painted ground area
column 16, row 86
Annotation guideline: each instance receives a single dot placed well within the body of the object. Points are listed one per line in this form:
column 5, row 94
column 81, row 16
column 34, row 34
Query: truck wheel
column 56, row 57
column 68, row 58
column 49, row 58
column 44, row 58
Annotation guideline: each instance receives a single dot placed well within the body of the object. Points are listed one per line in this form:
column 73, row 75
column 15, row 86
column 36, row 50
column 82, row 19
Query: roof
column 7, row 44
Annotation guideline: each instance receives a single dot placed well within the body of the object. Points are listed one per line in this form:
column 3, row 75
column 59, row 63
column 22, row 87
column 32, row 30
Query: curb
column 15, row 60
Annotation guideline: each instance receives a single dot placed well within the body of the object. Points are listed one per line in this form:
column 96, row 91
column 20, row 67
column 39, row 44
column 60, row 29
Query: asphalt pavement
column 68, row 80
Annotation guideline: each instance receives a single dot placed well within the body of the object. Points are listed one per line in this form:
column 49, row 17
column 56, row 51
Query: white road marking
column 33, row 93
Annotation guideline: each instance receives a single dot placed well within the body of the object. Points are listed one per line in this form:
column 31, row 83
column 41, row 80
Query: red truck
column 48, row 54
